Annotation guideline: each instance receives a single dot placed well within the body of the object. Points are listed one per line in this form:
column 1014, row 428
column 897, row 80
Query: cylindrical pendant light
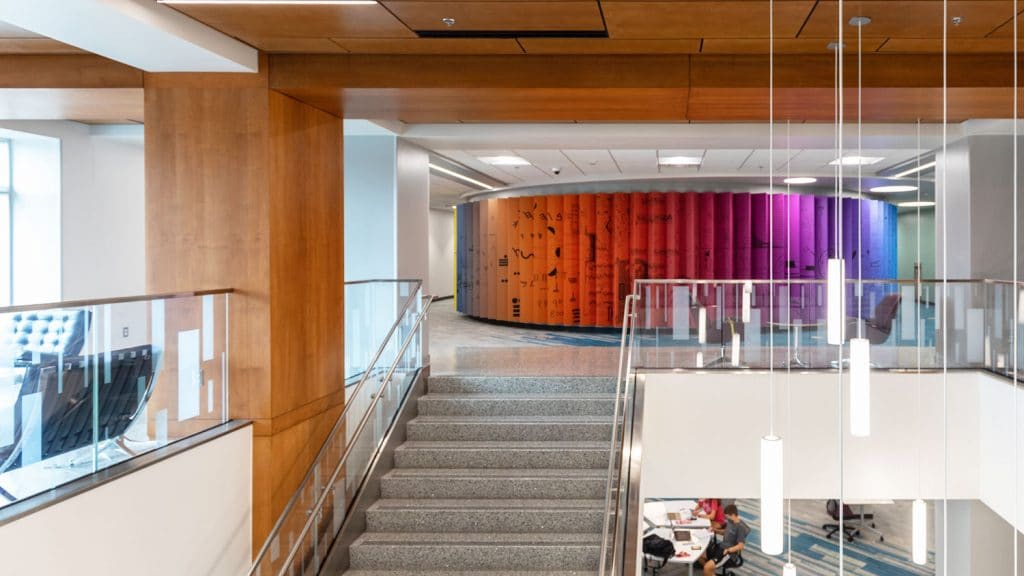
column 789, row 569
column 771, row 495
column 735, row 349
column 748, row 289
column 702, row 325
column 836, row 300
column 920, row 538
column 860, row 387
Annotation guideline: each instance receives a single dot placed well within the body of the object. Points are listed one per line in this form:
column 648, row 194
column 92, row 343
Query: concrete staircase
column 498, row 475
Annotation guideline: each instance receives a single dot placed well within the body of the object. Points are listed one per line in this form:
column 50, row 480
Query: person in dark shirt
column 733, row 542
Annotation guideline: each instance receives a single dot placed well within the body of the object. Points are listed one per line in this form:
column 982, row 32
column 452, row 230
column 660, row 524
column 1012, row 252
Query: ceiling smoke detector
column 447, row 21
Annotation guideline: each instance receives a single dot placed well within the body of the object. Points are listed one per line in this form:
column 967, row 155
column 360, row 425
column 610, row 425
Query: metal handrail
column 116, row 300
column 344, row 457
column 337, row 424
column 702, row 281
column 621, row 395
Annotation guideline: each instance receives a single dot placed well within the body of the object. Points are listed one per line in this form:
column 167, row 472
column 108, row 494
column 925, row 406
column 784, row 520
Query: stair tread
column 543, row 473
column 485, row 504
column 573, row 419
column 506, row 396
column 468, row 573
column 483, row 538
column 505, row 444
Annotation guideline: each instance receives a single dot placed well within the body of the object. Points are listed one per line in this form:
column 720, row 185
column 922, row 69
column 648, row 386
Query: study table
column 665, row 517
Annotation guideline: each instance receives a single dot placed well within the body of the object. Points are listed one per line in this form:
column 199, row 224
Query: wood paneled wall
column 244, row 189
column 571, row 259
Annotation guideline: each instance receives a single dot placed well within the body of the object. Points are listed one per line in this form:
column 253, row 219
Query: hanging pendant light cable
column 839, row 218
column 945, row 290
column 1015, row 323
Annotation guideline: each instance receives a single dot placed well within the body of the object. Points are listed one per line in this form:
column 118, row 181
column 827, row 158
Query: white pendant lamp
column 860, row 387
column 920, row 537
column 771, row 495
column 789, row 569
column 735, row 357
column 748, row 289
column 702, row 325
column 836, row 300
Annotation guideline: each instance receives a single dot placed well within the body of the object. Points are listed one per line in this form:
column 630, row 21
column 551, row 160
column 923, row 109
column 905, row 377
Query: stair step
column 506, row 552
column 494, row 483
column 510, row 428
column 479, row 515
column 521, row 385
column 467, row 573
column 516, row 405
column 452, row 454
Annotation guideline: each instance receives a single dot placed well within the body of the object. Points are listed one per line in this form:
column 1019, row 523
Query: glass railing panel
column 307, row 528
column 695, row 324
column 89, row 385
column 371, row 309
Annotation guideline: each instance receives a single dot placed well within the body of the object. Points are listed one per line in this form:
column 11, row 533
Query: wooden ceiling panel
column 36, row 46
column 93, row 106
column 703, row 19
column 297, row 45
column 251, row 23
column 608, row 46
column 956, row 45
column 914, row 19
column 419, row 105
column 431, row 45
column 1005, row 30
column 782, row 46
column 493, row 16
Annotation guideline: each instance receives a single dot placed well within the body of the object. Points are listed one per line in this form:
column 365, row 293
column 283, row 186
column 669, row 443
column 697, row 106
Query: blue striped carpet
column 814, row 555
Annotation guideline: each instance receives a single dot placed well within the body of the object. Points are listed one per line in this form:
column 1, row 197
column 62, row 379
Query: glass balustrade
column 384, row 346
column 86, row 385
column 695, row 324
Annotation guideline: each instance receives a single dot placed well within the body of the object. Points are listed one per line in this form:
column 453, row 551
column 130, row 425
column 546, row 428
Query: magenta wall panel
column 805, row 258
column 780, row 237
column 759, row 236
column 821, row 237
column 673, row 235
column 742, row 233
column 723, row 224
column 705, row 235
column 690, row 232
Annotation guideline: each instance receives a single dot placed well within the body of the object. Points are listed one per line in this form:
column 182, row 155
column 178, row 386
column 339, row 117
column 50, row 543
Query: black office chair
column 66, row 389
column 736, row 561
column 850, row 530
column 877, row 328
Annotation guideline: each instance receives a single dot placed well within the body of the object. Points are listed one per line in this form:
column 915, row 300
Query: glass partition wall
column 874, row 363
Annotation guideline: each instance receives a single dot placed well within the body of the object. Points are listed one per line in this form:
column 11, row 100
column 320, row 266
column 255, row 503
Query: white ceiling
column 9, row 31
column 613, row 151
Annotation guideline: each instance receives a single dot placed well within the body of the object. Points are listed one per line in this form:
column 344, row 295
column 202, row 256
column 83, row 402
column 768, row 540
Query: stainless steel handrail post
column 341, row 462
column 337, row 424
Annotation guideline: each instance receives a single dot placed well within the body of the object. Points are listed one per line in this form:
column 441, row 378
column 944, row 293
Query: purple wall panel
column 741, row 235
column 821, row 237
column 759, row 236
column 805, row 259
column 779, row 238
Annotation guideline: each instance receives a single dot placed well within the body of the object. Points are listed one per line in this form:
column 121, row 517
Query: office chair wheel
column 849, row 538
column 881, row 538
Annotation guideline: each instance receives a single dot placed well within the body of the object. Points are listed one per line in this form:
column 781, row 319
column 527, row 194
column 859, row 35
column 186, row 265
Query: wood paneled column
column 244, row 190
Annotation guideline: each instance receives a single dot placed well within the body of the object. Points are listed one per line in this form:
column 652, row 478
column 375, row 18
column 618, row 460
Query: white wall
column 102, row 212
column 411, row 221
column 442, row 252
column 188, row 514
column 369, row 207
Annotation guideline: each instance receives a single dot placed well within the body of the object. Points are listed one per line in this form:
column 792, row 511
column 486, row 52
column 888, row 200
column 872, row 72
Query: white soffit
column 139, row 33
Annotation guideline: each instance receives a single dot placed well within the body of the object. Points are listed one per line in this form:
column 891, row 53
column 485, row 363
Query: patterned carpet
column 815, row 555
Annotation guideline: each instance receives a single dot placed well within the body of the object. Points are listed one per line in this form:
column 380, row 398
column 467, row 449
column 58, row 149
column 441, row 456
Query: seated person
column 711, row 508
column 733, row 542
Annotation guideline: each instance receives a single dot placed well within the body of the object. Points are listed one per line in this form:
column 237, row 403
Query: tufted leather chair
column 27, row 334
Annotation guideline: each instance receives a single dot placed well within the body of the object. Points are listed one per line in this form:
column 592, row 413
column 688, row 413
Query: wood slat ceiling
column 632, row 26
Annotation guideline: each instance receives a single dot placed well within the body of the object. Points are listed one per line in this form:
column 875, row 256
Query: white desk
column 860, row 503
column 656, row 520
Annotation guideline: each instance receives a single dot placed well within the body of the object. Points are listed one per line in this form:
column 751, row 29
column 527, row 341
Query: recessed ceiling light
column 462, row 177
column 504, row 160
column 800, row 180
column 915, row 170
column 894, row 188
column 856, row 160
column 921, row 204
column 679, row 160
column 275, row 2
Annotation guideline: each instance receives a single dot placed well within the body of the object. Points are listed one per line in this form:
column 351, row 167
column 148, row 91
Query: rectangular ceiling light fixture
column 856, row 160
column 275, row 2
column 504, row 160
column 679, row 160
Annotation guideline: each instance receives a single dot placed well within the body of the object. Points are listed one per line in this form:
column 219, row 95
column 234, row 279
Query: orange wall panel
column 571, row 258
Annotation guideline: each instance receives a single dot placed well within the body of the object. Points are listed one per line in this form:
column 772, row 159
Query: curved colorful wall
column 571, row 259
